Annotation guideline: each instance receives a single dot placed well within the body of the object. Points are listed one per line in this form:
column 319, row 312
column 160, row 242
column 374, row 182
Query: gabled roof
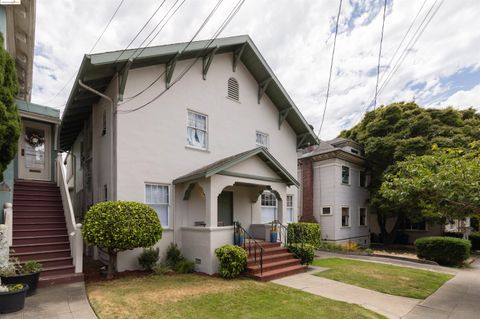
column 97, row 70
column 224, row 164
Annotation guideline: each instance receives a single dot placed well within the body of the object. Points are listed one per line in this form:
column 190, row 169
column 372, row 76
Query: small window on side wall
column 233, row 89
column 157, row 197
column 345, row 216
column 363, row 216
column 345, row 175
column 326, row 211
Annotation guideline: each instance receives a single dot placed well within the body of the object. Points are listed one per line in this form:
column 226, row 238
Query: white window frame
column 206, row 130
column 168, row 204
column 349, row 174
column 267, row 138
column 329, row 209
column 349, row 216
column 360, row 216
column 290, row 209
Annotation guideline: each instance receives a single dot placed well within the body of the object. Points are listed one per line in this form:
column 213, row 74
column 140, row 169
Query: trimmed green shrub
column 304, row 232
column 232, row 259
column 475, row 240
column 118, row 226
column 173, row 255
column 148, row 258
column 184, row 266
column 162, row 269
column 305, row 253
column 443, row 250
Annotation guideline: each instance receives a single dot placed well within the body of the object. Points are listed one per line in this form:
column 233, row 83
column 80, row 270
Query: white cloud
column 294, row 37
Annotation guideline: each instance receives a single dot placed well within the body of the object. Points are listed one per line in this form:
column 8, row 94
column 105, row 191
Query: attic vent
column 233, row 89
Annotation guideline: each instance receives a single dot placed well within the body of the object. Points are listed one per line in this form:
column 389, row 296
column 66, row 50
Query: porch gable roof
column 224, row 164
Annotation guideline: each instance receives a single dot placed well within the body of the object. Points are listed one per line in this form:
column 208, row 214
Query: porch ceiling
column 97, row 70
column 221, row 167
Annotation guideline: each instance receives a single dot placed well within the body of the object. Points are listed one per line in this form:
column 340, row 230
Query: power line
column 93, row 47
column 185, row 71
column 184, row 48
column 331, row 68
column 380, row 54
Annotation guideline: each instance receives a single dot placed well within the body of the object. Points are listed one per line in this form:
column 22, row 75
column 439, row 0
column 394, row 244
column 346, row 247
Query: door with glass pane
column 34, row 151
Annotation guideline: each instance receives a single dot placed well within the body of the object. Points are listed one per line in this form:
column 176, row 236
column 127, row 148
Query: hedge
column 443, row 250
column 305, row 252
column 232, row 259
column 304, row 232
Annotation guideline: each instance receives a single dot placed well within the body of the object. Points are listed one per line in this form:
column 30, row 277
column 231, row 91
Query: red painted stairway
column 278, row 262
column 40, row 232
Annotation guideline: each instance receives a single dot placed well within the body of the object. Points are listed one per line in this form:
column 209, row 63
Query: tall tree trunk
column 112, row 263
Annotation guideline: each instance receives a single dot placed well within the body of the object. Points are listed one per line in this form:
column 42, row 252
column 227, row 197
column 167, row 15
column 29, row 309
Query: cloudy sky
column 437, row 64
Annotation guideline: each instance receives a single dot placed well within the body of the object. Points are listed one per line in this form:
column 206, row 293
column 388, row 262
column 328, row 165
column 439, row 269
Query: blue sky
column 296, row 38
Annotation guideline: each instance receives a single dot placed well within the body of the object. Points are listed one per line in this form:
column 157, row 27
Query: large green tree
column 9, row 117
column 445, row 184
column 392, row 133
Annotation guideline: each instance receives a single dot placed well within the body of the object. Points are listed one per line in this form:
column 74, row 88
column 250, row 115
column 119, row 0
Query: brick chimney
column 306, row 165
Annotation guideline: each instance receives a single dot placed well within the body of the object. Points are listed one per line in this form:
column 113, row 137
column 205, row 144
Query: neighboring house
column 334, row 190
column 215, row 145
column 33, row 205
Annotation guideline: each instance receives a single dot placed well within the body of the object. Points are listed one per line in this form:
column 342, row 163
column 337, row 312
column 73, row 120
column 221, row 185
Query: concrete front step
column 279, row 273
column 40, row 247
column 269, row 266
column 42, row 254
column 60, row 279
column 40, row 213
column 271, row 258
column 27, row 197
column 25, row 205
column 39, row 232
column 57, row 270
column 55, row 262
column 269, row 251
column 26, row 240
column 38, row 225
column 38, row 218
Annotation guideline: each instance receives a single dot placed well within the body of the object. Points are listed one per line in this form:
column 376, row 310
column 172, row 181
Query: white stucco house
column 204, row 133
column 334, row 190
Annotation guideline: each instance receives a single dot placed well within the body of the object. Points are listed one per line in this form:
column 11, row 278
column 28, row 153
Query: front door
column 225, row 209
column 34, row 151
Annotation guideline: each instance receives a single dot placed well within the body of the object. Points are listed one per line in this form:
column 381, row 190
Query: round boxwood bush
column 119, row 225
column 305, row 252
column 232, row 259
column 443, row 250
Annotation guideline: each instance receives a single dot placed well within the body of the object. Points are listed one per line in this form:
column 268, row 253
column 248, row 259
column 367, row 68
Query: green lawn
column 389, row 279
column 195, row 296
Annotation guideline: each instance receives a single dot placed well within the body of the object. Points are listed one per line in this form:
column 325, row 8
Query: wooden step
column 40, row 239
column 29, row 198
column 40, row 247
column 38, row 225
column 32, row 213
column 42, row 254
column 39, row 232
column 55, row 262
column 279, row 273
column 38, row 218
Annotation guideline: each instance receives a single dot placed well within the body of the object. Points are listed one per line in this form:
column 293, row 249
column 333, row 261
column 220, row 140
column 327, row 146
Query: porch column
column 282, row 204
column 211, row 203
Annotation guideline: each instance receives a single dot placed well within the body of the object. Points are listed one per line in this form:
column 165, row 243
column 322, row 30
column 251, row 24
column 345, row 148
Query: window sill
column 345, row 227
column 345, row 184
column 326, row 214
column 204, row 150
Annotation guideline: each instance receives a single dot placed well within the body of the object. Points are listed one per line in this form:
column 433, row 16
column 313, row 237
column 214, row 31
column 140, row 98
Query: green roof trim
column 38, row 109
column 98, row 70
column 221, row 167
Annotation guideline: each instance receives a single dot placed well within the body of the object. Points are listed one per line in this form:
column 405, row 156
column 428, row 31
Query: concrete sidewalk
column 459, row 298
column 387, row 305
column 58, row 302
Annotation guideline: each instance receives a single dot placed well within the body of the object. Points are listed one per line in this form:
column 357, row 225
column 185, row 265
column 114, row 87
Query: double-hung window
column 269, row 207
column 197, row 130
column 345, row 175
column 262, row 139
column 157, row 196
column 363, row 216
column 345, row 216
column 363, row 179
column 290, row 210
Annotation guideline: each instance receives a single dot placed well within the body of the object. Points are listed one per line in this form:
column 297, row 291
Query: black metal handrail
column 241, row 241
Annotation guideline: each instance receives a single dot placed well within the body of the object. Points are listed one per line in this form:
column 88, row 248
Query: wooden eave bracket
column 302, row 138
column 123, row 79
column 262, row 88
column 186, row 196
column 282, row 116
column 169, row 68
column 207, row 61
column 237, row 54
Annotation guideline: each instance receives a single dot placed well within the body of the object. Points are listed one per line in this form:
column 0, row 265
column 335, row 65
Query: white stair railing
column 74, row 230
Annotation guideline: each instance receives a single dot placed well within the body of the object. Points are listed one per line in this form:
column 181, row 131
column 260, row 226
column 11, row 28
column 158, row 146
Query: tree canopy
column 9, row 117
column 444, row 184
column 392, row 133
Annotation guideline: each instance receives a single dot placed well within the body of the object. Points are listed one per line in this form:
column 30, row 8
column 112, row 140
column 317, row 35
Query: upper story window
column 233, row 90
column 261, row 139
column 290, row 210
column 363, row 216
column 345, row 175
column 354, row 151
column 157, row 197
column 197, row 130
column 363, row 179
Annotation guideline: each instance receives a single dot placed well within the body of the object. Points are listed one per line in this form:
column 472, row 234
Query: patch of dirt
column 95, row 270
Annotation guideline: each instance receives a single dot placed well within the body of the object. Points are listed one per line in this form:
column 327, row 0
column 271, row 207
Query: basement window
column 233, row 89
